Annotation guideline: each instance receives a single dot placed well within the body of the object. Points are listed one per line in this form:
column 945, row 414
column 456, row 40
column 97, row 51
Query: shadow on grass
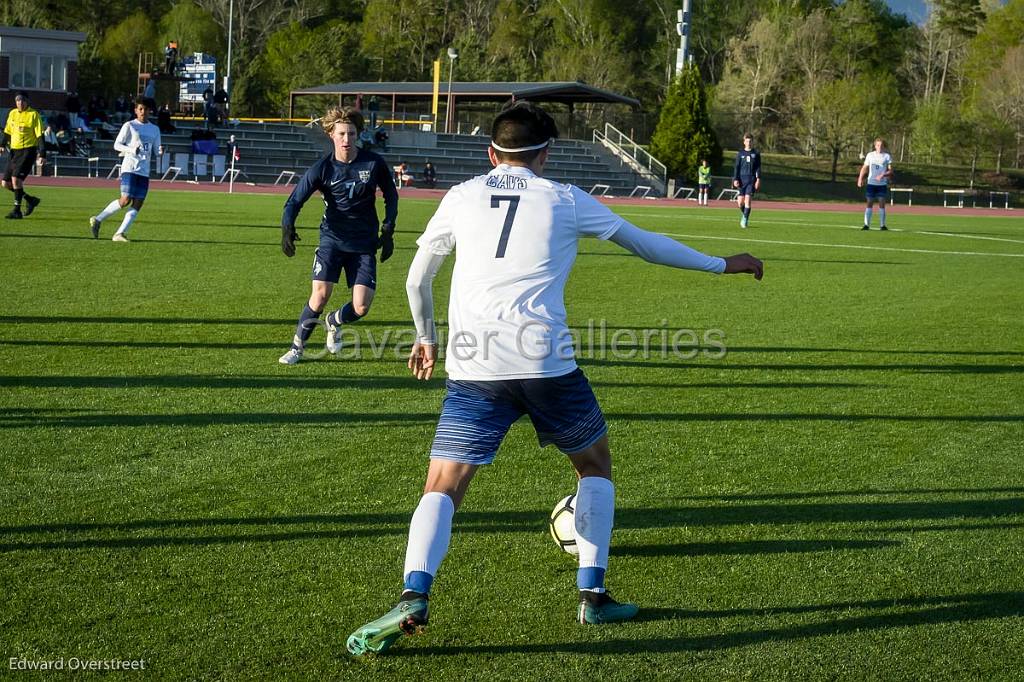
column 202, row 419
column 750, row 497
column 924, row 368
column 840, row 262
column 334, row 526
column 758, row 547
column 337, row 382
column 143, row 319
column 888, row 614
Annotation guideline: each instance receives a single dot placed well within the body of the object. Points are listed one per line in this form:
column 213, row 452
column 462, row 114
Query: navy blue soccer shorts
column 477, row 414
column 746, row 187
column 134, row 186
column 877, row 192
column 329, row 261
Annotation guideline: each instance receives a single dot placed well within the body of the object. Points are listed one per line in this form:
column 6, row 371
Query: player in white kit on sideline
column 139, row 142
column 878, row 167
column 510, row 353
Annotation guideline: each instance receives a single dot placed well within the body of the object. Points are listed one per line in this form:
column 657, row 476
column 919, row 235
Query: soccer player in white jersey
column 138, row 141
column 878, row 168
column 509, row 353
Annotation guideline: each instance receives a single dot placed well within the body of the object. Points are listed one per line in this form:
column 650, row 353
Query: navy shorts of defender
column 330, row 259
column 477, row 414
column 134, row 186
column 879, row 192
column 746, row 187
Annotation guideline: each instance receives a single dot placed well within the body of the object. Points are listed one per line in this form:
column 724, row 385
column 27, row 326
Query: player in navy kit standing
column 348, row 179
column 746, row 176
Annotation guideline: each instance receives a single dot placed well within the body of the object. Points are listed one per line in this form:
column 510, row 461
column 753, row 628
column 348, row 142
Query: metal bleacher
column 267, row 149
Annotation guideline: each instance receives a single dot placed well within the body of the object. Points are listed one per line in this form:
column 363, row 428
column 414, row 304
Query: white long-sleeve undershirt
column 662, row 250
column 419, row 286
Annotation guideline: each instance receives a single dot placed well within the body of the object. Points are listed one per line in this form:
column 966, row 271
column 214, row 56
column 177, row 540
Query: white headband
column 520, row 149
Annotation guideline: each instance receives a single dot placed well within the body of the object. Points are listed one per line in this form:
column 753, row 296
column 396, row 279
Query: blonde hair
column 336, row 115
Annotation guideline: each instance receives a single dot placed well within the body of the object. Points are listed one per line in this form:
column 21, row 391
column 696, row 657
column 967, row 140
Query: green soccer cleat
column 598, row 608
column 409, row 618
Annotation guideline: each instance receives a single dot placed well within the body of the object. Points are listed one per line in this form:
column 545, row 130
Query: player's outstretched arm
column 419, row 287
column 661, row 250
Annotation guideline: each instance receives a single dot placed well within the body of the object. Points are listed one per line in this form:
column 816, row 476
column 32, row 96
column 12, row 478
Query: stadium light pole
column 453, row 54
column 227, row 78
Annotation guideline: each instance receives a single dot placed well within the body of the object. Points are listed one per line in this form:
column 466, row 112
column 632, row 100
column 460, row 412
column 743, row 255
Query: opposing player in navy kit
column 746, row 177
column 510, row 353
column 348, row 179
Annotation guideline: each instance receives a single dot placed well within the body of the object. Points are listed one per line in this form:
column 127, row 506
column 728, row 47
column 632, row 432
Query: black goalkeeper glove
column 288, row 238
column 386, row 242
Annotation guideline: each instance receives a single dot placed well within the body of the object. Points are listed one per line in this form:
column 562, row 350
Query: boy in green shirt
column 704, row 180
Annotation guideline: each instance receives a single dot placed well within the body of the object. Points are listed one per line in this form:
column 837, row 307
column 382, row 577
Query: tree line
column 806, row 76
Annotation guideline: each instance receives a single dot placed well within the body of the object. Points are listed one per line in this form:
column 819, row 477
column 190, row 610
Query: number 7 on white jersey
column 510, row 216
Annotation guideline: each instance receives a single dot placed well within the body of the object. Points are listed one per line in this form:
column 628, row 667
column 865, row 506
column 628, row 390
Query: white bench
column 114, row 170
column 604, row 189
column 909, row 191
column 288, row 177
column 733, row 193
column 689, row 192
column 642, row 194
column 958, row 193
column 1004, row 195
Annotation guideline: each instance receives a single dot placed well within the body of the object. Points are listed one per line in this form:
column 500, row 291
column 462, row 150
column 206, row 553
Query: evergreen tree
column 684, row 135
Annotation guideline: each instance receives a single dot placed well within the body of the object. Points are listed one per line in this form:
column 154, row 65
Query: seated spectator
column 366, row 139
column 50, row 139
column 429, row 175
column 403, row 176
column 163, row 120
column 380, row 138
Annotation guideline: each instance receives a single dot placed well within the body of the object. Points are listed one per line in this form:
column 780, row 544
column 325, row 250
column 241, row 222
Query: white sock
column 429, row 534
column 595, row 514
column 881, row 215
column 112, row 208
column 129, row 218
column 867, row 216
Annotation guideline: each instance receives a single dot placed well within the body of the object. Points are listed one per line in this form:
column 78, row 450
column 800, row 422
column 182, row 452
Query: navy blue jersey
column 350, row 193
column 748, row 165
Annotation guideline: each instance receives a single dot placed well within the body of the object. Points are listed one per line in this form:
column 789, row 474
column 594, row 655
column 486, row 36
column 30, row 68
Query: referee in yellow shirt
column 22, row 134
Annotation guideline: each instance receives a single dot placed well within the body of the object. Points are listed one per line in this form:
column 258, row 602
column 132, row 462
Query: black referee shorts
column 19, row 163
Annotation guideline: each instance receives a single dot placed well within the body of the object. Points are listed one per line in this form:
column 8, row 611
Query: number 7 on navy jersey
column 506, row 229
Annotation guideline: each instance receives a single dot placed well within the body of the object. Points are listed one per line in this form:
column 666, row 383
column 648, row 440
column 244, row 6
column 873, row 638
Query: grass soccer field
column 838, row 495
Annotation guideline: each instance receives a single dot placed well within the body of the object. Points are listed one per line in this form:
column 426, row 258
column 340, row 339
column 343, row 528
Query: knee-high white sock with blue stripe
column 595, row 515
column 867, row 216
column 429, row 535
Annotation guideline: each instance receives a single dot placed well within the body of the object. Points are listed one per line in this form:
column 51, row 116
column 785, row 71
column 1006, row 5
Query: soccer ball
column 563, row 524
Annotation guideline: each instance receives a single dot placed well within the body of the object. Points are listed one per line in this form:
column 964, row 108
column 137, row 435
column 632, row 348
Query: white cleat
column 119, row 238
column 292, row 357
column 333, row 336
column 743, row 223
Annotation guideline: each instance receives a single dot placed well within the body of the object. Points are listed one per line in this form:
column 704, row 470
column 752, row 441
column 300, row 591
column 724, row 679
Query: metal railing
column 634, row 156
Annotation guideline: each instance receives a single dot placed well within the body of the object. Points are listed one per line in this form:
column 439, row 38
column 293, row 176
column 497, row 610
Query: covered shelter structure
column 417, row 96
